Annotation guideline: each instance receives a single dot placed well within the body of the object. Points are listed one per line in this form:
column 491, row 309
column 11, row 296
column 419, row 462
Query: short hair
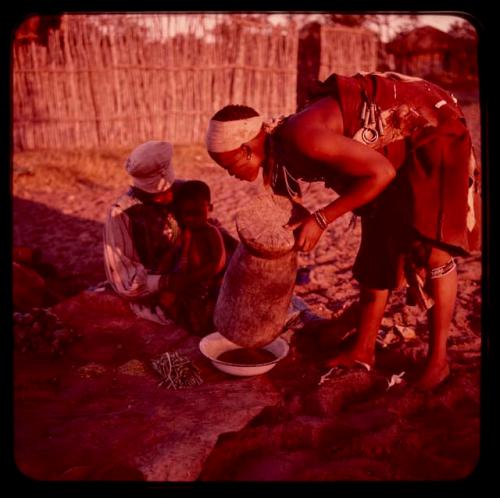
column 193, row 190
column 234, row 112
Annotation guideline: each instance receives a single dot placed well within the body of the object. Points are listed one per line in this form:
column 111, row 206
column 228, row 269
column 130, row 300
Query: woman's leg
column 372, row 307
column 443, row 289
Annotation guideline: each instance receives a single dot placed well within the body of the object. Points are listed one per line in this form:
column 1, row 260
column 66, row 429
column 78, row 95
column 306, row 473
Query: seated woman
column 140, row 229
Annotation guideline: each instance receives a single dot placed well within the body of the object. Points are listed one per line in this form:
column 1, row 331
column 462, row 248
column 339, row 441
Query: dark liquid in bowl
column 247, row 356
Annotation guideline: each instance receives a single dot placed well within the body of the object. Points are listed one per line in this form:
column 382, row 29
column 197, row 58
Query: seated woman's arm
column 124, row 271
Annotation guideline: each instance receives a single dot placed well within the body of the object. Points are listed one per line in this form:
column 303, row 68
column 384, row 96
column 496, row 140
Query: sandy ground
column 60, row 202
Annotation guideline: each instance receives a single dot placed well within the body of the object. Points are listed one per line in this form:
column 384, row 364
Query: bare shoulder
column 316, row 133
column 308, row 129
column 322, row 114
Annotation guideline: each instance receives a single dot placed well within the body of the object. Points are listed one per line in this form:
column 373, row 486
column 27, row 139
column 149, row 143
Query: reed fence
column 347, row 51
column 116, row 80
column 105, row 80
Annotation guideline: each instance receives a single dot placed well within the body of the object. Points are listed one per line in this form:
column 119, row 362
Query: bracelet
column 320, row 218
column 322, row 215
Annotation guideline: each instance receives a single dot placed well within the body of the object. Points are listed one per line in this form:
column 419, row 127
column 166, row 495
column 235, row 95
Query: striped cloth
column 124, row 270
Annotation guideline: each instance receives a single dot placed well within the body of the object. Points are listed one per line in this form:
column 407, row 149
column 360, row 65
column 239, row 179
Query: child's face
column 194, row 213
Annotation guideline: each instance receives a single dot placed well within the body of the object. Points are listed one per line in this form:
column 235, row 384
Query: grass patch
column 95, row 168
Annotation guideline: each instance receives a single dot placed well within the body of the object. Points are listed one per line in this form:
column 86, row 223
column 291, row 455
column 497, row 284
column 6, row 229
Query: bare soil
column 60, row 201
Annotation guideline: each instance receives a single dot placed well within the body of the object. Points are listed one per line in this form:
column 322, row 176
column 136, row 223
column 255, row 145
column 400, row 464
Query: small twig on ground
column 176, row 371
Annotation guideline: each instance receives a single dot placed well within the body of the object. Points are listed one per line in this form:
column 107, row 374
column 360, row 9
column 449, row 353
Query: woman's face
column 237, row 163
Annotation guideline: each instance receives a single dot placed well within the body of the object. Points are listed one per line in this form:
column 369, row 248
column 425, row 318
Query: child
column 200, row 261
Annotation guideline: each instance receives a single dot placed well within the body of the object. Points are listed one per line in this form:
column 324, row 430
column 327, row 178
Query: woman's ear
column 248, row 151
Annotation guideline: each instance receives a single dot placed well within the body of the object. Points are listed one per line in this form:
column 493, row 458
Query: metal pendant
column 369, row 135
column 372, row 124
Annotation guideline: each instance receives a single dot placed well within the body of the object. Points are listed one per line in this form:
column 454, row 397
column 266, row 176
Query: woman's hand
column 307, row 234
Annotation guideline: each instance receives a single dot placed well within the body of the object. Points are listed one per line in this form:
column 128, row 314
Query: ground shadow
column 72, row 245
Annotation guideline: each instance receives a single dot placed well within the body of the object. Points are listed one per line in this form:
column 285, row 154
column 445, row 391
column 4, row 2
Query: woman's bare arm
column 316, row 136
column 370, row 172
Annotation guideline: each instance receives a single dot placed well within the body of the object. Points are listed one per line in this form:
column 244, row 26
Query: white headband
column 223, row 136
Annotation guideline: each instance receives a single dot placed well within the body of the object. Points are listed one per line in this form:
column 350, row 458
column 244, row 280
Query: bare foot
column 351, row 358
column 433, row 376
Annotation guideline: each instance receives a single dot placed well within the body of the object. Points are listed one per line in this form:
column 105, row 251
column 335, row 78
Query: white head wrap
column 150, row 166
column 223, row 136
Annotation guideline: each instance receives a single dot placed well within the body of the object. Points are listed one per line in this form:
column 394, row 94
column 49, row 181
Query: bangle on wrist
column 320, row 218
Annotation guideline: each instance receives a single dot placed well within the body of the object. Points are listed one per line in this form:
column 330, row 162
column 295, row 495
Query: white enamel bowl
column 215, row 344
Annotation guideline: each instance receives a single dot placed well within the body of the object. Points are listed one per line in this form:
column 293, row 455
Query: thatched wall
column 324, row 50
column 347, row 51
column 107, row 80
column 440, row 57
column 118, row 80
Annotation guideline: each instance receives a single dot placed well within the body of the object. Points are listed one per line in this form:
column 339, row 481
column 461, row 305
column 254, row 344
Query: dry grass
column 63, row 168
column 75, row 169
